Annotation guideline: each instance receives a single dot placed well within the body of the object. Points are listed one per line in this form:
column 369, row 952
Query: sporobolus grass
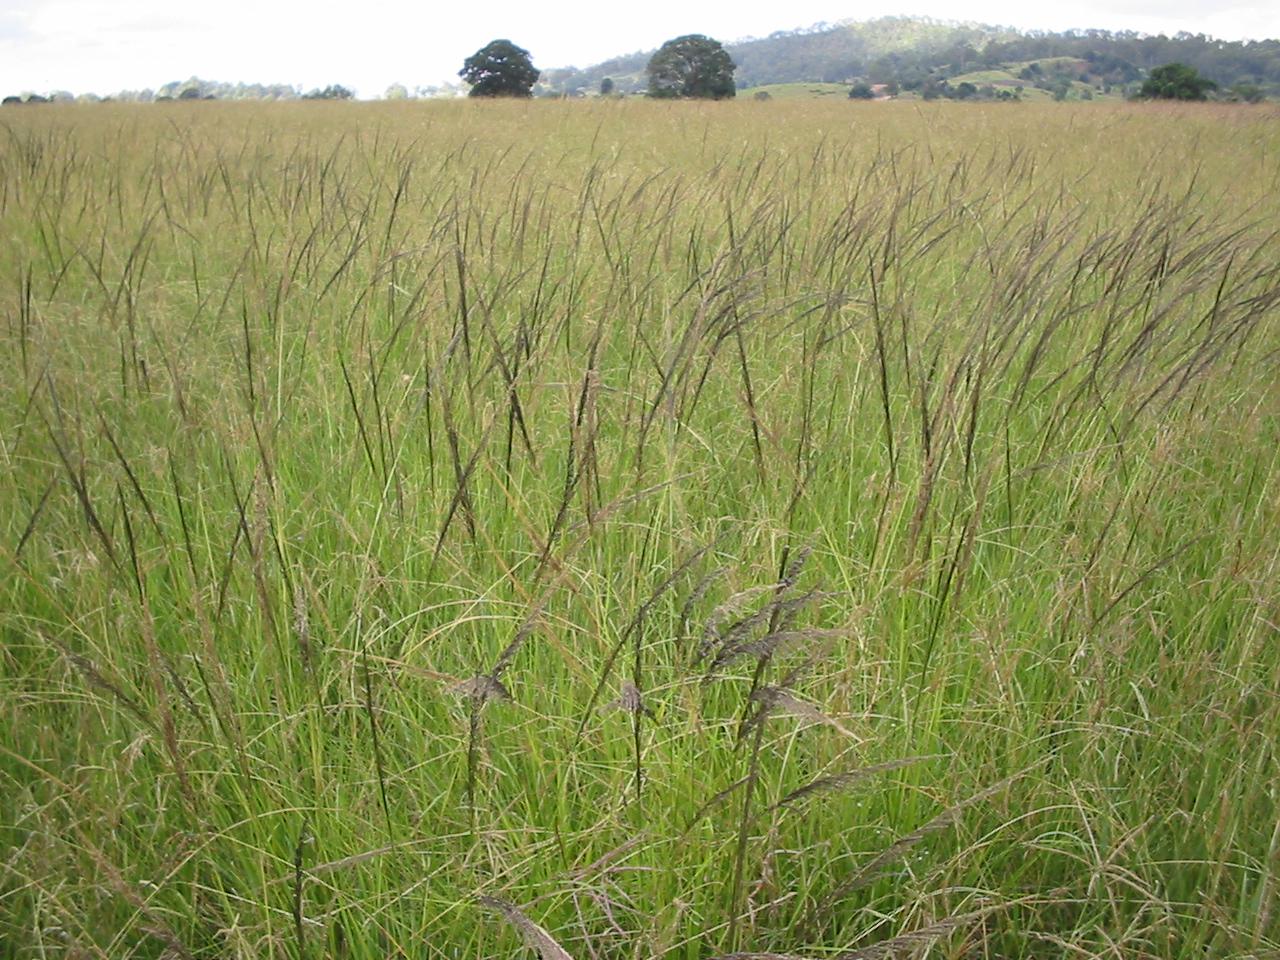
column 359, row 457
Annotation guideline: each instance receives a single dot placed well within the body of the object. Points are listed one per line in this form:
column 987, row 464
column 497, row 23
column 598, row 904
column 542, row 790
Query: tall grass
column 640, row 529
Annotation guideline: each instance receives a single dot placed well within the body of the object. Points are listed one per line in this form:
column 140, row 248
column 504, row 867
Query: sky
column 102, row 46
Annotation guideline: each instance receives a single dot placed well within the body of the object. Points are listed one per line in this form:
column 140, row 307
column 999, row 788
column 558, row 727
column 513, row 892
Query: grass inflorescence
column 639, row 529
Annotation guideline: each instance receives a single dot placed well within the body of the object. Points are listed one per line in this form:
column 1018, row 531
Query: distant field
column 799, row 91
column 995, row 77
column 639, row 530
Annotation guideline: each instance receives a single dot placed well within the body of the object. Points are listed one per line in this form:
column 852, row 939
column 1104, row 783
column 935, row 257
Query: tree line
column 691, row 66
column 193, row 88
column 920, row 55
column 688, row 66
column 889, row 55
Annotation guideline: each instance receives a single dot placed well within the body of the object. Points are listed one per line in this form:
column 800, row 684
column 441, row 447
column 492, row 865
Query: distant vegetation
column 929, row 58
column 195, row 88
column 692, row 66
column 890, row 55
column 331, row 92
column 1176, row 81
column 499, row 69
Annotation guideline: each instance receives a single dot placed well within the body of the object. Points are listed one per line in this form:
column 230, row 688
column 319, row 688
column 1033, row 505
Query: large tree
column 691, row 66
column 1176, row 81
column 500, row 69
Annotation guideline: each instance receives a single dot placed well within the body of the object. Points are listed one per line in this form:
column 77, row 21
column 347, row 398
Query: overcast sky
column 102, row 46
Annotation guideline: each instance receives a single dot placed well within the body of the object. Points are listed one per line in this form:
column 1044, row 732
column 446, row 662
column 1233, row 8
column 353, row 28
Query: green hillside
column 932, row 58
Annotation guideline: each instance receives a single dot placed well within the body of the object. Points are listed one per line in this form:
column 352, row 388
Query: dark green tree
column 861, row 90
column 500, row 69
column 1248, row 92
column 606, row 87
column 1176, row 81
column 691, row 66
column 335, row 91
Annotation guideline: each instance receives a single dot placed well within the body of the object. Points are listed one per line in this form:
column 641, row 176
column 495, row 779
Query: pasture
column 639, row 530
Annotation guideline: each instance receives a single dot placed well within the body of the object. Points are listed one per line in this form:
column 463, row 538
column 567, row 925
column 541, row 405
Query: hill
column 933, row 57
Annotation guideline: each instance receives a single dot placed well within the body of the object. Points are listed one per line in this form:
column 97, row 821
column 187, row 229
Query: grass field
column 639, row 530
column 800, row 91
